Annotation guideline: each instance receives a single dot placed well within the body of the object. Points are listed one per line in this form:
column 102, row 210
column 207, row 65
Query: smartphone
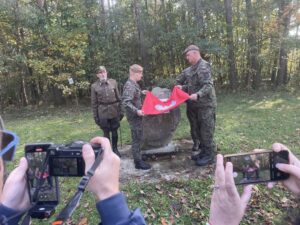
column 258, row 167
column 43, row 188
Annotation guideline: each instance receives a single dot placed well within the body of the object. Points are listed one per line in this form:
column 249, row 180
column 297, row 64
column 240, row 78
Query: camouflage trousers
column 202, row 122
column 136, row 137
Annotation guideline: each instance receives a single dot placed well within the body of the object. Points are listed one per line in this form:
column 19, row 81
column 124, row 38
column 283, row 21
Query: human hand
column 140, row 113
column 15, row 192
column 293, row 168
column 179, row 86
column 145, row 92
column 227, row 206
column 105, row 181
column 193, row 97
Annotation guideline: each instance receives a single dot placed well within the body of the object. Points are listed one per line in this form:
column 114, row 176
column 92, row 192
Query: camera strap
column 68, row 210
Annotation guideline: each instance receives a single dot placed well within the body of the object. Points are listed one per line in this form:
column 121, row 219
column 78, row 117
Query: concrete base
column 168, row 149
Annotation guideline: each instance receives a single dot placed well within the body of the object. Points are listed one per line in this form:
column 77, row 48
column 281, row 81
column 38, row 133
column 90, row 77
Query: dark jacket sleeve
column 8, row 212
column 115, row 211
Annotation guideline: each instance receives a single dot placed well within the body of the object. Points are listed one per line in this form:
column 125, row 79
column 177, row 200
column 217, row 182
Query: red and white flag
column 153, row 105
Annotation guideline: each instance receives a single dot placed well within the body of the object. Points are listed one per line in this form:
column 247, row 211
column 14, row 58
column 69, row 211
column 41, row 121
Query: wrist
column 102, row 195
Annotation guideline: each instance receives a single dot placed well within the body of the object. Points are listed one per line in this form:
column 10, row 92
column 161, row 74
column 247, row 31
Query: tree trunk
column 141, row 37
column 19, row 33
column 254, row 72
column 284, row 17
column 199, row 17
column 233, row 81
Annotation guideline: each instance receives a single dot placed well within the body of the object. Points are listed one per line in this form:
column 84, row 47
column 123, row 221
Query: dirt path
column 167, row 167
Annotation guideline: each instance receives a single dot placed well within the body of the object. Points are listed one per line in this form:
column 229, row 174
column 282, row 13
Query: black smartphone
column 258, row 167
column 43, row 188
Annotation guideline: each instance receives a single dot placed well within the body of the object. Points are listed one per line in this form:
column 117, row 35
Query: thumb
column 291, row 169
column 246, row 195
column 22, row 167
column 88, row 156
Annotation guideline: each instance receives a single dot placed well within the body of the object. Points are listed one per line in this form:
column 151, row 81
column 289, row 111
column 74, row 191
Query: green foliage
column 42, row 45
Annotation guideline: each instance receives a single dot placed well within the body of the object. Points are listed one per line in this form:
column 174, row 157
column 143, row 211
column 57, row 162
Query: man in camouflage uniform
column 132, row 103
column 196, row 80
column 106, row 105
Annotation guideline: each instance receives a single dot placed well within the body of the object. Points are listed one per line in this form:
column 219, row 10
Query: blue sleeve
column 115, row 211
column 8, row 212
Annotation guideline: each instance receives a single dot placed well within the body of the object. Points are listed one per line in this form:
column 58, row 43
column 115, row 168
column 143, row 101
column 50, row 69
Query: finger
column 229, row 181
column 259, row 150
column 219, row 173
column 277, row 147
column 104, row 142
column 20, row 171
column 246, row 196
column 271, row 184
column 291, row 169
column 88, row 156
column 23, row 165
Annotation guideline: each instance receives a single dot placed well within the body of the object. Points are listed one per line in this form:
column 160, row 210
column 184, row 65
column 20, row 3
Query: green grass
column 244, row 122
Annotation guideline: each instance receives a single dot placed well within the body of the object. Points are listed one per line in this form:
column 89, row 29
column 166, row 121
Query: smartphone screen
column 257, row 167
column 38, row 176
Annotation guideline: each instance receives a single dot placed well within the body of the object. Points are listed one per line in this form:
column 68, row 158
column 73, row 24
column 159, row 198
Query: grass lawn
column 244, row 122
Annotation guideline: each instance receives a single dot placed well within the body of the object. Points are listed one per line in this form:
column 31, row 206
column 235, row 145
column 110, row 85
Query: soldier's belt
column 109, row 103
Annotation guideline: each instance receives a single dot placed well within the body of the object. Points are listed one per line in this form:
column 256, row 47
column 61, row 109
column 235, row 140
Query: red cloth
column 153, row 105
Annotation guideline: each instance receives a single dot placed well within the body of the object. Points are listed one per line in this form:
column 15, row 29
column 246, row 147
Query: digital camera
column 46, row 162
column 67, row 161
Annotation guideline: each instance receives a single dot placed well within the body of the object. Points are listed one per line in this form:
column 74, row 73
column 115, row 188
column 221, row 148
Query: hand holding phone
column 293, row 168
column 258, row 167
column 43, row 188
column 15, row 193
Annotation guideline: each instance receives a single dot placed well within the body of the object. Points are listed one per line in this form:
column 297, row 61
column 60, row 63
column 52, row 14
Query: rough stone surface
column 158, row 130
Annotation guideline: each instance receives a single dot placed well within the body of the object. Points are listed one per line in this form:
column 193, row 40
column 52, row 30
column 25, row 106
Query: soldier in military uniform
column 106, row 105
column 132, row 104
column 196, row 80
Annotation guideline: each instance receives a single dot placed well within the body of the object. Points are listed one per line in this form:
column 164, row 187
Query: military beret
column 189, row 48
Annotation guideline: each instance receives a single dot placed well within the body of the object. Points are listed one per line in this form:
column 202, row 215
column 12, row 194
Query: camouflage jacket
column 197, row 79
column 106, row 101
column 132, row 99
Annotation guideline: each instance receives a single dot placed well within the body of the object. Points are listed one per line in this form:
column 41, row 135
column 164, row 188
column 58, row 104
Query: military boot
column 142, row 165
column 196, row 145
column 206, row 159
column 115, row 145
column 198, row 156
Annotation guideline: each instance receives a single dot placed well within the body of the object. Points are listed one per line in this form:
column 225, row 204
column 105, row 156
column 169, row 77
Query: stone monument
column 158, row 130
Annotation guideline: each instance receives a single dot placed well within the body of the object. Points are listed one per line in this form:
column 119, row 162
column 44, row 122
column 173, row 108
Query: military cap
column 101, row 68
column 189, row 48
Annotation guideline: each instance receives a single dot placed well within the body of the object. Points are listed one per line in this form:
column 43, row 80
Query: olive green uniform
column 107, row 110
column 201, row 113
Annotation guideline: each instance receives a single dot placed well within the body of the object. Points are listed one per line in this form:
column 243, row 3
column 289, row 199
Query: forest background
column 43, row 43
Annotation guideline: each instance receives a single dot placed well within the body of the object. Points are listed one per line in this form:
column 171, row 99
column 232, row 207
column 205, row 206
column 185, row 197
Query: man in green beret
column 196, row 80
